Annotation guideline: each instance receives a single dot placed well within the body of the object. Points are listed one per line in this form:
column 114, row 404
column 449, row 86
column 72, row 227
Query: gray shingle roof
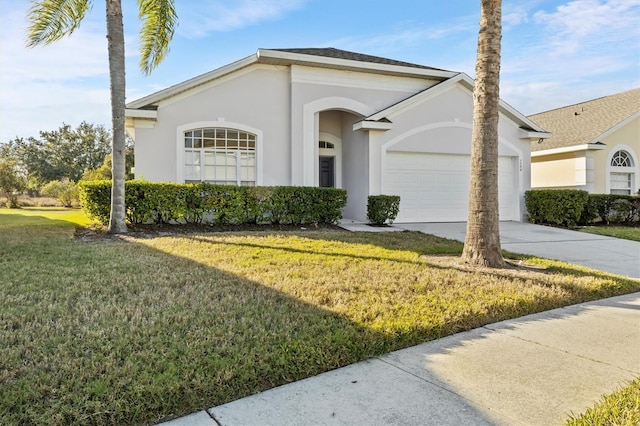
column 581, row 123
column 330, row 52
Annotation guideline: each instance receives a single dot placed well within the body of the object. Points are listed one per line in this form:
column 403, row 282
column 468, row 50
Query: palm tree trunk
column 482, row 242
column 115, row 37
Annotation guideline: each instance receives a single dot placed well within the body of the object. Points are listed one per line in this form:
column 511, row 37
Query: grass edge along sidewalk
column 151, row 326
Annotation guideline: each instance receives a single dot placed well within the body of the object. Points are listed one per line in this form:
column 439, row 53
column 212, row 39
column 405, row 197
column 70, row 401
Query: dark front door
column 327, row 172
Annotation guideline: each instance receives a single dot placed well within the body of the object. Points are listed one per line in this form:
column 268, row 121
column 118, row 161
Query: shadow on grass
column 122, row 333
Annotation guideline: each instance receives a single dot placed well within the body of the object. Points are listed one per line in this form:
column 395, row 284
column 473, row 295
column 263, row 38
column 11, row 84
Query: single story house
column 594, row 146
column 330, row 118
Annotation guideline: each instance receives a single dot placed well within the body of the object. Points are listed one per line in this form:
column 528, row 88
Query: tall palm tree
column 482, row 242
column 50, row 20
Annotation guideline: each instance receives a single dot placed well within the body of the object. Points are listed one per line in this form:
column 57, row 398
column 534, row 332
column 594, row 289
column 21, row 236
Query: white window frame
column 219, row 123
column 632, row 171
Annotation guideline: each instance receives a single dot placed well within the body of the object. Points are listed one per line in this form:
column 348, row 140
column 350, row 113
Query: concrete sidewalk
column 533, row 370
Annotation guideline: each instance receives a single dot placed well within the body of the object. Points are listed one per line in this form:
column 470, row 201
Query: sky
column 554, row 52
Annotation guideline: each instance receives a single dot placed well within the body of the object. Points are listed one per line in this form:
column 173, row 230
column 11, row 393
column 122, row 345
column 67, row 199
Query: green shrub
column 95, row 199
column 382, row 208
column 621, row 212
column 568, row 207
column 206, row 203
column 64, row 190
column 560, row 207
column 603, row 204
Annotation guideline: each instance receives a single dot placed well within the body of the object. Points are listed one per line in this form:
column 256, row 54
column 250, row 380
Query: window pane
column 209, row 143
column 191, row 157
column 192, row 172
column 220, row 173
column 208, row 133
column 209, row 173
column 209, row 158
column 232, row 173
column 220, row 159
column 188, row 142
column 197, row 133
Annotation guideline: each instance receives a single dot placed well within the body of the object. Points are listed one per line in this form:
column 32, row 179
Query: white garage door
column 435, row 187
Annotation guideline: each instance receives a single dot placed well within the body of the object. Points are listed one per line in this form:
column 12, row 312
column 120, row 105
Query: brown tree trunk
column 115, row 37
column 482, row 242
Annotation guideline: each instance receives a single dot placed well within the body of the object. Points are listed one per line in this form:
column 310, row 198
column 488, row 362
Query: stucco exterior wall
column 355, row 153
column 554, row 171
column 257, row 97
column 317, row 89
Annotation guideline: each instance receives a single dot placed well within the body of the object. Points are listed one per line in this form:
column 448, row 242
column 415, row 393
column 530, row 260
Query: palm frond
column 159, row 21
column 50, row 20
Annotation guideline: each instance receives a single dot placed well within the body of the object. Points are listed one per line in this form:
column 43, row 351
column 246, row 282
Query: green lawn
column 621, row 408
column 137, row 329
column 624, row 232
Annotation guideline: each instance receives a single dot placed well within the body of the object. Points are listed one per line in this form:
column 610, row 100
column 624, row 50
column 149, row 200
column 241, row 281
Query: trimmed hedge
column 382, row 208
column 569, row 207
column 204, row 203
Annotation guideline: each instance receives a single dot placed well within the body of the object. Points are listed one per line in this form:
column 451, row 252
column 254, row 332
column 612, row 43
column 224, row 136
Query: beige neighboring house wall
column 584, row 139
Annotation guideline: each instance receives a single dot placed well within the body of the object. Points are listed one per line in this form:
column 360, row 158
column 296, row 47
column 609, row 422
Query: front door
column 327, row 172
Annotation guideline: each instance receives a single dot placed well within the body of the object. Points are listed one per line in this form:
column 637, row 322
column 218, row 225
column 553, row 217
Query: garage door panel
column 435, row 187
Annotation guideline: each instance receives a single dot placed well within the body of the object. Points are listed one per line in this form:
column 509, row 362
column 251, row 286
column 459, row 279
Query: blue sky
column 555, row 52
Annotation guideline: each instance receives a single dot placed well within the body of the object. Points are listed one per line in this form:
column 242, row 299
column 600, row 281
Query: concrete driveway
column 608, row 254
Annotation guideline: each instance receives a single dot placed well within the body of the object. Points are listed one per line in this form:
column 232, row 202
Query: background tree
column 104, row 171
column 62, row 153
column 482, row 241
column 50, row 20
column 12, row 181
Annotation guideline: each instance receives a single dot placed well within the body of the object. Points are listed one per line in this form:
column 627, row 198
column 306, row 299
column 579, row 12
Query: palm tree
column 50, row 20
column 482, row 242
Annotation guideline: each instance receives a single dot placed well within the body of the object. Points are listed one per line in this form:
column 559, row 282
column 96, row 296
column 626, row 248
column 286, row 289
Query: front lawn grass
column 621, row 408
column 624, row 232
column 142, row 328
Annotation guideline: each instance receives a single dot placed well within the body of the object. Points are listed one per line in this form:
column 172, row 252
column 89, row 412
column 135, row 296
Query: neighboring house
column 594, row 145
column 327, row 117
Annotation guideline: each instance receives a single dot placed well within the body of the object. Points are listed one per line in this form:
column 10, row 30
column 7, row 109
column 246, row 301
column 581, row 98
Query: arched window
column 326, row 145
column 621, row 177
column 220, row 155
column 621, row 159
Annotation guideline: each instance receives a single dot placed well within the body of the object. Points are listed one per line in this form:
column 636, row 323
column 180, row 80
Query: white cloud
column 582, row 49
column 583, row 24
column 231, row 15
column 66, row 81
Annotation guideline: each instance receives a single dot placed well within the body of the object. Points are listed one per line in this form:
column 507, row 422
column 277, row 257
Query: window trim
column 633, row 170
column 219, row 123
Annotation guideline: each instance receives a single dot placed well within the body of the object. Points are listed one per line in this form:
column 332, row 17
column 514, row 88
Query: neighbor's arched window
column 621, row 170
column 220, row 155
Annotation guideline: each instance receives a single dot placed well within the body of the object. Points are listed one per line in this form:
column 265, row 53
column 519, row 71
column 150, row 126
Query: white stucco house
column 328, row 117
